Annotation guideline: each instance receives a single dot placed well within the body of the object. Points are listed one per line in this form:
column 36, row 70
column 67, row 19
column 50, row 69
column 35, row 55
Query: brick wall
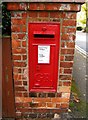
column 42, row 104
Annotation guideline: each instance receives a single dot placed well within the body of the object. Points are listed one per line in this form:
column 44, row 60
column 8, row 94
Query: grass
column 75, row 89
column 72, row 104
column 79, row 109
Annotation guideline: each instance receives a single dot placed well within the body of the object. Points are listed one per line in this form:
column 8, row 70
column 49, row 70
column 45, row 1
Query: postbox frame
column 58, row 53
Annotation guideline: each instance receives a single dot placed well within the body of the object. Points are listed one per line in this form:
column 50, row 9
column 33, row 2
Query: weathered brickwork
column 42, row 104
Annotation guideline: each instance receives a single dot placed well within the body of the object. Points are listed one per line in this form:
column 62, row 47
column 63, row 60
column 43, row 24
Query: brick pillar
column 42, row 104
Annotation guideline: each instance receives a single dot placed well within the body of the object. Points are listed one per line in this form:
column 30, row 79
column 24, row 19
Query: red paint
column 43, row 73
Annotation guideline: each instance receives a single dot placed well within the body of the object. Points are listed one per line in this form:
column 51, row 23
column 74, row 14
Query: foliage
column 82, row 16
column 6, row 20
column 72, row 104
column 79, row 28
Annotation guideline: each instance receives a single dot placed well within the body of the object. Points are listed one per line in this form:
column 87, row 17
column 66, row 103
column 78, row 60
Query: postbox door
column 43, row 57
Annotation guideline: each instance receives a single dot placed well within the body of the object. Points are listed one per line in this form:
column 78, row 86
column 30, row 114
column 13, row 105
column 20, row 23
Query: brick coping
column 61, row 1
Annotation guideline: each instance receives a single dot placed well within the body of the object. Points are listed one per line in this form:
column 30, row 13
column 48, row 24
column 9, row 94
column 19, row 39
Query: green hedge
column 6, row 20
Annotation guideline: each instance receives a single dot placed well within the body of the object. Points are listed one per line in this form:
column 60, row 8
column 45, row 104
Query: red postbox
column 43, row 52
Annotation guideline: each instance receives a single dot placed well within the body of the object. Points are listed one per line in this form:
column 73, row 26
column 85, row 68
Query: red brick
column 21, row 35
column 24, row 77
column 42, row 104
column 12, row 14
column 24, row 82
column 70, row 44
column 19, row 64
column 61, row 69
column 18, row 94
column 16, row 57
column 33, row 6
column 69, row 58
column 58, row 105
column 24, row 57
column 19, row 51
column 15, row 28
column 43, row 14
column 67, row 51
column 52, row 6
column 49, row 6
column 18, row 82
column 71, row 30
column 12, row 6
column 71, row 15
column 59, row 94
column 68, row 71
column 69, row 23
column 14, row 36
column 56, row 100
column 20, row 88
column 64, row 105
column 34, row 105
column 63, row 30
column 23, row 21
column 66, row 64
column 22, row 105
column 61, row 58
column 72, row 37
column 51, row 105
column 63, row 14
column 60, row 83
column 19, row 104
column 21, row 109
column 41, row 6
column 16, row 14
column 23, row 28
column 42, row 100
column 65, row 37
column 65, row 89
column 25, row 94
column 55, row 15
column 66, row 95
column 65, row 77
column 62, row 44
column 75, row 7
column 23, row 99
column 32, row 14
column 16, row 44
column 41, row 110
column 23, row 43
column 17, row 70
column 24, row 14
column 65, row 71
column 22, row 6
column 17, row 77
column 67, row 83
column 18, row 21
column 58, row 110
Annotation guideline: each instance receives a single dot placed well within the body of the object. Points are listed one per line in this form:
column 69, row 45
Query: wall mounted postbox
column 43, row 49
